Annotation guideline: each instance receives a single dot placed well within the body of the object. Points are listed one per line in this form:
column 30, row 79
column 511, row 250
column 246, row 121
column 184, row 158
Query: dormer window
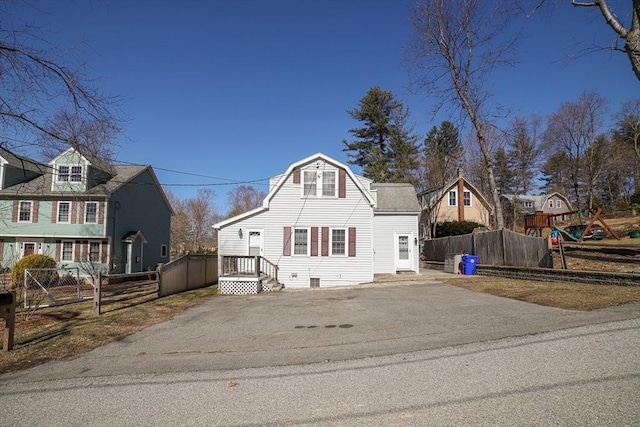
column 69, row 173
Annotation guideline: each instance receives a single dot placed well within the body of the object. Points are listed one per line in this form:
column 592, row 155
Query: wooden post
column 8, row 313
column 97, row 294
column 159, row 279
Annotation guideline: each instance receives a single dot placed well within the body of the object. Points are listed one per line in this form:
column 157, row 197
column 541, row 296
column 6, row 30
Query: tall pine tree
column 385, row 146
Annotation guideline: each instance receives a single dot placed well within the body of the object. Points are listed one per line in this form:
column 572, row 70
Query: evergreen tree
column 442, row 154
column 383, row 145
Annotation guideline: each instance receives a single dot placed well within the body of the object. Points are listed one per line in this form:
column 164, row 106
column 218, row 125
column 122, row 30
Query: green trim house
column 83, row 212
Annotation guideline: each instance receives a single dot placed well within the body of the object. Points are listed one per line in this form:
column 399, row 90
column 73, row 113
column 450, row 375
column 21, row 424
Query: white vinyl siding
column 289, row 209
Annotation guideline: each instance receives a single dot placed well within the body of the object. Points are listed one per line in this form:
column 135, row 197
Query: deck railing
column 246, row 265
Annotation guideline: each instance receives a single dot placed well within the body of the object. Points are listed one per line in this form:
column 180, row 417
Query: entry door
column 255, row 243
column 29, row 249
column 403, row 252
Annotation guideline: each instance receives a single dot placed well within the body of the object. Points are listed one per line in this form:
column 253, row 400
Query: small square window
column 76, row 174
column 63, row 173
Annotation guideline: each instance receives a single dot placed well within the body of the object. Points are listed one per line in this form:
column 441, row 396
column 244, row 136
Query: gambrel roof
column 389, row 198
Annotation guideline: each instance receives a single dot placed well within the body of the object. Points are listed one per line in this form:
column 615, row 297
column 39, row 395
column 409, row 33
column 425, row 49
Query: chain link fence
column 44, row 287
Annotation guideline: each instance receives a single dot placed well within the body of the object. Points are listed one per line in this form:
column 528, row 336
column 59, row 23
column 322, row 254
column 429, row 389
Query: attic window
column 69, row 173
column 319, row 183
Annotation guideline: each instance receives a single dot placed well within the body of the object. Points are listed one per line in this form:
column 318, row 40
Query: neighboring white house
column 323, row 225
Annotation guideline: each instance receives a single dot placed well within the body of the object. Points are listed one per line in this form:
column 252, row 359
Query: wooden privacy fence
column 187, row 272
column 183, row 274
column 499, row 247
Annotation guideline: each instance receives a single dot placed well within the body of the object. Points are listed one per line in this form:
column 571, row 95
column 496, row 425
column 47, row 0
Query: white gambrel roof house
column 323, row 225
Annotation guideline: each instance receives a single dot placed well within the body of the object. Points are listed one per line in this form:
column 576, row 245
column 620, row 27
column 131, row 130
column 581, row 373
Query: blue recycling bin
column 469, row 264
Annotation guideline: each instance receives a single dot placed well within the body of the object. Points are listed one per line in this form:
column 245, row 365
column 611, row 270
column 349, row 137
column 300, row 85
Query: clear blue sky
column 238, row 90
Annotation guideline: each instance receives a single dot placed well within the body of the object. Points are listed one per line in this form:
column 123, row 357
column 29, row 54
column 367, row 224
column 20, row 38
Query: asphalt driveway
column 295, row 327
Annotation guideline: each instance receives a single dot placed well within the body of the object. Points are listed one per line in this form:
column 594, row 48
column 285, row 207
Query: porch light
column 240, row 233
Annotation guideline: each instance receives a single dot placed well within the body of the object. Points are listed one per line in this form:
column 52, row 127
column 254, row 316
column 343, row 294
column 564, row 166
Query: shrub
column 29, row 262
column 455, row 228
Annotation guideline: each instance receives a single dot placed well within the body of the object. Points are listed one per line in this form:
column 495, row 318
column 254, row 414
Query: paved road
column 419, row 353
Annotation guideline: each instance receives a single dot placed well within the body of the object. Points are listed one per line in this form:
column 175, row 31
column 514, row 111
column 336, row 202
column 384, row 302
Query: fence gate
column 44, row 287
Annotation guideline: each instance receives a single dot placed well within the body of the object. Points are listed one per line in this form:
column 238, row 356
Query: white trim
column 455, row 192
column 283, row 179
column 86, row 211
column 293, row 241
column 99, row 243
column 20, row 202
column 464, row 193
column 68, row 221
column 346, row 242
column 73, row 251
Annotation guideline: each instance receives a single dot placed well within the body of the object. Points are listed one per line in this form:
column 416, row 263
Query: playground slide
column 565, row 234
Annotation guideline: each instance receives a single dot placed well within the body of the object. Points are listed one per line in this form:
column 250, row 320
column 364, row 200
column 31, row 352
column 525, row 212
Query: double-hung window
column 338, row 241
column 329, row 184
column 319, row 183
column 67, row 251
column 300, row 241
column 452, row 198
column 24, row 211
column 467, row 197
column 64, row 212
column 68, row 173
column 558, row 204
column 91, row 212
column 94, row 252
column 310, row 183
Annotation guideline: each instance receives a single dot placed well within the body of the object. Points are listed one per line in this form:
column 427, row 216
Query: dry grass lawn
column 572, row 296
column 69, row 330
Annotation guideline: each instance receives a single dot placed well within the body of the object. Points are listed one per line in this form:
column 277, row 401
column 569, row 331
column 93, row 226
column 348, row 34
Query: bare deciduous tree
column 455, row 44
column 631, row 34
column 191, row 224
column 243, row 199
column 575, row 129
column 36, row 80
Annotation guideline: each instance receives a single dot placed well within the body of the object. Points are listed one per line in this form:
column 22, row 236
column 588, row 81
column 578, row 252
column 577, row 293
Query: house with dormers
column 322, row 225
column 457, row 200
column 83, row 213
